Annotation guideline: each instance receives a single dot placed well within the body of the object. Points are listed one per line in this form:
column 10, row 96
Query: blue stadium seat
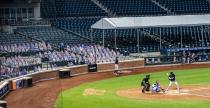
column 50, row 34
column 187, row 6
column 70, row 8
column 133, row 7
column 6, row 38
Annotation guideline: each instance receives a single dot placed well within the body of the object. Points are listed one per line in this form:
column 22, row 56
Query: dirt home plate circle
column 188, row 92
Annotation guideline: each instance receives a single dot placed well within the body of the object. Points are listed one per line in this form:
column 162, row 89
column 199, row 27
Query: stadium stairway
column 6, row 38
column 35, row 39
column 108, row 11
column 163, row 7
column 48, row 9
column 52, row 35
column 156, row 38
column 76, row 34
column 133, row 7
column 79, row 26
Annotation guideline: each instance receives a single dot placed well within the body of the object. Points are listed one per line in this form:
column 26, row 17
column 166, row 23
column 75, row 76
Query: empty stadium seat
column 133, row 7
column 186, row 6
column 71, row 8
column 50, row 34
column 6, row 38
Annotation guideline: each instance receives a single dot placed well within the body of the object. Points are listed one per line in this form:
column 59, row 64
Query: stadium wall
column 83, row 69
column 137, row 68
column 75, row 70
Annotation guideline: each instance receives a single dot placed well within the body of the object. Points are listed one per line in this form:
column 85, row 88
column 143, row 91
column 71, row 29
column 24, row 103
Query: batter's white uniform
column 172, row 83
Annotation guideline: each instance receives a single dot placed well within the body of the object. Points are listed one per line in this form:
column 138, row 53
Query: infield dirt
column 186, row 93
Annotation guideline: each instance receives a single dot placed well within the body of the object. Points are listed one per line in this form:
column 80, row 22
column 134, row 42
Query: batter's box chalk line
column 199, row 95
column 188, row 92
column 201, row 88
column 175, row 92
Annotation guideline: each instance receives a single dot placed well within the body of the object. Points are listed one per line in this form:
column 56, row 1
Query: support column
column 181, row 43
column 115, row 38
column 16, row 14
column 37, row 11
column 21, row 13
column 10, row 12
column 91, row 35
column 4, row 16
column 103, row 37
column 160, row 38
column 138, row 40
column 27, row 14
column 202, row 34
column 0, row 71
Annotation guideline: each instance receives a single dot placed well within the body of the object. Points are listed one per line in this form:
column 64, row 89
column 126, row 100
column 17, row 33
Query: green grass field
column 74, row 98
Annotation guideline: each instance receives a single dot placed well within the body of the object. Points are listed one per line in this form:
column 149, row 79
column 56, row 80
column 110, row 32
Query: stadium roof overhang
column 145, row 22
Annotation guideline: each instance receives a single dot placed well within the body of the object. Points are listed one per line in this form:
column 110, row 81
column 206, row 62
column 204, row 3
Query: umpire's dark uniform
column 145, row 83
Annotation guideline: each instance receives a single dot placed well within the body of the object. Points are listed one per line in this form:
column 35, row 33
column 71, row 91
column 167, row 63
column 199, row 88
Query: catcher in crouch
column 156, row 88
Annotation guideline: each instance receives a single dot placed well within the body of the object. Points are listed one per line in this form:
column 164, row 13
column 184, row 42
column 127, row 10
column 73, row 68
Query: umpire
column 145, row 83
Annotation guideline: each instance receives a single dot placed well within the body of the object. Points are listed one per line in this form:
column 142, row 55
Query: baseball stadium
column 104, row 53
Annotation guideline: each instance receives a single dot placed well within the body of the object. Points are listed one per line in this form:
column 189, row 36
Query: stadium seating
column 71, row 21
column 14, row 66
column 191, row 36
column 75, row 54
column 81, row 25
column 20, row 48
column 126, row 38
column 50, row 34
column 78, row 25
column 6, row 38
column 187, row 6
column 84, row 8
column 48, row 9
column 73, row 8
column 133, row 7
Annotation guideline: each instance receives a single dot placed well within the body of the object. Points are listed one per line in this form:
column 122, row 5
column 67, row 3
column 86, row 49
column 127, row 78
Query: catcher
column 156, row 88
column 145, row 83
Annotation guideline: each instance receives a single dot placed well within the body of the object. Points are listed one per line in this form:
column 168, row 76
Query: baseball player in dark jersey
column 145, row 83
column 172, row 79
